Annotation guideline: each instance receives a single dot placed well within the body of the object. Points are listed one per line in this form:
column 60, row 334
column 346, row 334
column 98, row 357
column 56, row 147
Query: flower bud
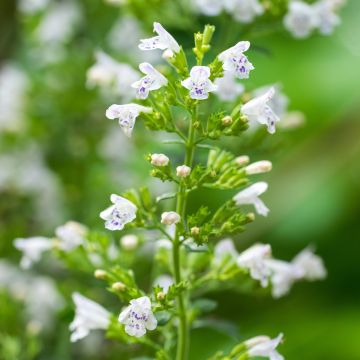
column 161, row 296
column 100, row 274
column 258, row 167
column 168, row 54
column 183, row 171
column 227, row 120
column 129, row 242
column 118, row 286
column 170, row 217
column 159, row 160
column 250, row 217
column 195, row 231
column 242, row 160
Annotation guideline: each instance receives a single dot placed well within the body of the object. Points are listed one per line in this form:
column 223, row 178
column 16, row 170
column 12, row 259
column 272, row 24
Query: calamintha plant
column 195, row 254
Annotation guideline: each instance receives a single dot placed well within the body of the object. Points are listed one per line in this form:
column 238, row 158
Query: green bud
column 100, row 274
column 118, row 286
column 208, row 34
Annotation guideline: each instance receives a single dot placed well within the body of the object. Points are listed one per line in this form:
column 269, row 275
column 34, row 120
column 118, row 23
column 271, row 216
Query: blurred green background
column 314, row 193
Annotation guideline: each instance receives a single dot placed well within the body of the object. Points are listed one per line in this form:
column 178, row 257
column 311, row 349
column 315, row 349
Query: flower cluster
column 192, row 251
column 303, row 18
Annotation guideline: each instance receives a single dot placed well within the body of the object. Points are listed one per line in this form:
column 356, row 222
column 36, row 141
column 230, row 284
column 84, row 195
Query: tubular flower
column 127, row 115
column 88, row 316
column 153, row 80
column 199, row 83
column 250, row 196
column 244, row 10
column 118, row 215
column 259, row 110
column 163, row 40
column 253, row 259
column 235, row 61
column 70, row 235
column 311, row 264
column 138, row 317
column 227, row 87
column 265, row 347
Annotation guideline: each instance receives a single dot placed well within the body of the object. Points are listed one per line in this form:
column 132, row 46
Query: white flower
column 209, row 7
column 228, row 89
column 283, row 275
column 111, row 75
column 258, row 167
column 250, row 196
column 170, row 218
column 244, row 10
column 311, row 264
column 153, row 80
column 199, row 83
column 279, row 102
column 31, row 7
column 159, row 160
column 225, row 248
column 301, row 19
column 129, row 242
column 32, row 249
column 183, row 171
column 127, row 115
column 88, row 316
column 164, row 281
column 71, row 235
column 259, row 110
column 235, row 61
column 265, row 347
column 253, row 259
column 327, row 18
column 118, row 215
column 138, row 317
column 162, row 41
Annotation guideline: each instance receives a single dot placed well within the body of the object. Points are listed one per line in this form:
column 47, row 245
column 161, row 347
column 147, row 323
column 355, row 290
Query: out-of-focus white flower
column 118, row 215
column 283, row 275
column 127, row 115
column 228, row 89
column 292, row 120
column 301, row 19
column 253, row 259
column 111, row 75
column 153, row 80
column 39, row 293
column 244, row 10
column 225, row 248
column 170, row 218
column 71, row 235
column 13, row 86
column 311, row 264
column 265, row 347
column 183, row 171
column 199, row 83
column 164, row 281
column 327, row 17
column 209, row 7
column 31, row 7
column 162, row 41
column 235, row 61
column 159, row 160
column 59, row 23
column 32, row 249
column 258, row 109
column 258, row 167
column 138, row 317
column 250, row 196
column 129, row 242
column 279, row 102
column 88, row 316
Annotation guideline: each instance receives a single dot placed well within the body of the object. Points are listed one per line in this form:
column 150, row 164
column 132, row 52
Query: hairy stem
column 183, row 330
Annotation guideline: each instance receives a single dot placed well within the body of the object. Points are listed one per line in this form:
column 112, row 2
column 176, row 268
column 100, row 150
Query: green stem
column 183, row 330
